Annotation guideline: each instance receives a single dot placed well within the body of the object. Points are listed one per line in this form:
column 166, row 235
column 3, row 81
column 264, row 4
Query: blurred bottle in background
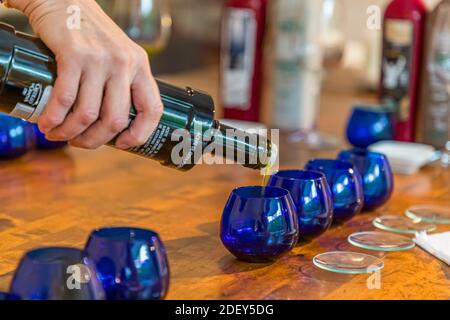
column 297, row 65
column 434, row 110
column 148, row 22
column 403, row 41
column 243, row 29
column 333, row 38
column 309, row 40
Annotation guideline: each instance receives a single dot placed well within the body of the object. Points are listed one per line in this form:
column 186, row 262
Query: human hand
column 100, row 73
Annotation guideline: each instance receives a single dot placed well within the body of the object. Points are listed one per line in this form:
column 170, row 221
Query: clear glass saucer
column 430, row 213
column 381, row 241
column 401, row 224
column 348, row 262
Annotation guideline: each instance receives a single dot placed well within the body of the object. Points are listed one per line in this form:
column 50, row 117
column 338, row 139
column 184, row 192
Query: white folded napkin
column 405, row 157
column 437, row 244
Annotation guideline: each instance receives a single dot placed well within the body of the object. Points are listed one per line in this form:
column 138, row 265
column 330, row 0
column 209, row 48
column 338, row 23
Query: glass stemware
column 148, row 22
column 376, row 172
column 131, row 263
column 346, row 186
column 259, row 224
column 312, row 199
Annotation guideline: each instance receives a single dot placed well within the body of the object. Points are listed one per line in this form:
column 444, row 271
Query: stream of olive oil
column 266, row 174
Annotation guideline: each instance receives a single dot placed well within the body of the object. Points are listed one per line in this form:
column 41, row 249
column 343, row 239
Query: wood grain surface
column 57, row 198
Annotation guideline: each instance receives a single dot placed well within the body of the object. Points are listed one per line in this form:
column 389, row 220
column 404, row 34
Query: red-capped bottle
column 403, row 40
column 243, row 29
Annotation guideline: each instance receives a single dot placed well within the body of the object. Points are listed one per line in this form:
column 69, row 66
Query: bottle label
column 397, row 62
column 35, row 98
column 238, row 57
column 155, row 143
column 296, row 97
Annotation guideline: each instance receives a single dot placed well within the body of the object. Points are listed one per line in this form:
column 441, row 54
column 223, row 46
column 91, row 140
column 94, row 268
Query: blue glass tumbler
column 312, row 199
column 259, row 224
column 43, row 143
column 346, row 187
column 4, row 296
column 56, row 273
column 369, row 124
column 16, row 137
column 131, row 262
column 378, row 180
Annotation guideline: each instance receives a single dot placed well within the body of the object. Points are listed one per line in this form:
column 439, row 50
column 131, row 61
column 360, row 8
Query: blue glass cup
column 43, row 143
column 378, row 180
column 16, row 137
column 369, row 124
column 131, row 263
column 312, row 199
column 259, row 224
column 346, row 187
column 56, row 273
column 4, row 296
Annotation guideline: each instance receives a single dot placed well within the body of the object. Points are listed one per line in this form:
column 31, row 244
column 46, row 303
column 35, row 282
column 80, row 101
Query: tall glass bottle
column 298, row 58
column 403, row 42
column 309, row 41
column 243, row 29
column 434, row 112
column 148, row 22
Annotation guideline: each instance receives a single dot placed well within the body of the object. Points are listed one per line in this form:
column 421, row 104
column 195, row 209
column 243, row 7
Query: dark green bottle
column 28, row 72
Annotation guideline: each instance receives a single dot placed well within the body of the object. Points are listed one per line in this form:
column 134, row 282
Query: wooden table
column 57, row 198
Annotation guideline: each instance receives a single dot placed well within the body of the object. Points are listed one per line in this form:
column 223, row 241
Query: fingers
column 63, row 96
column 90, row 108
column 149, row 108
column 86, row 110
column 114, row 116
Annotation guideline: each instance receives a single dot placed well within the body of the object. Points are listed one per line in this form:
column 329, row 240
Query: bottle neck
column 248, row 149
